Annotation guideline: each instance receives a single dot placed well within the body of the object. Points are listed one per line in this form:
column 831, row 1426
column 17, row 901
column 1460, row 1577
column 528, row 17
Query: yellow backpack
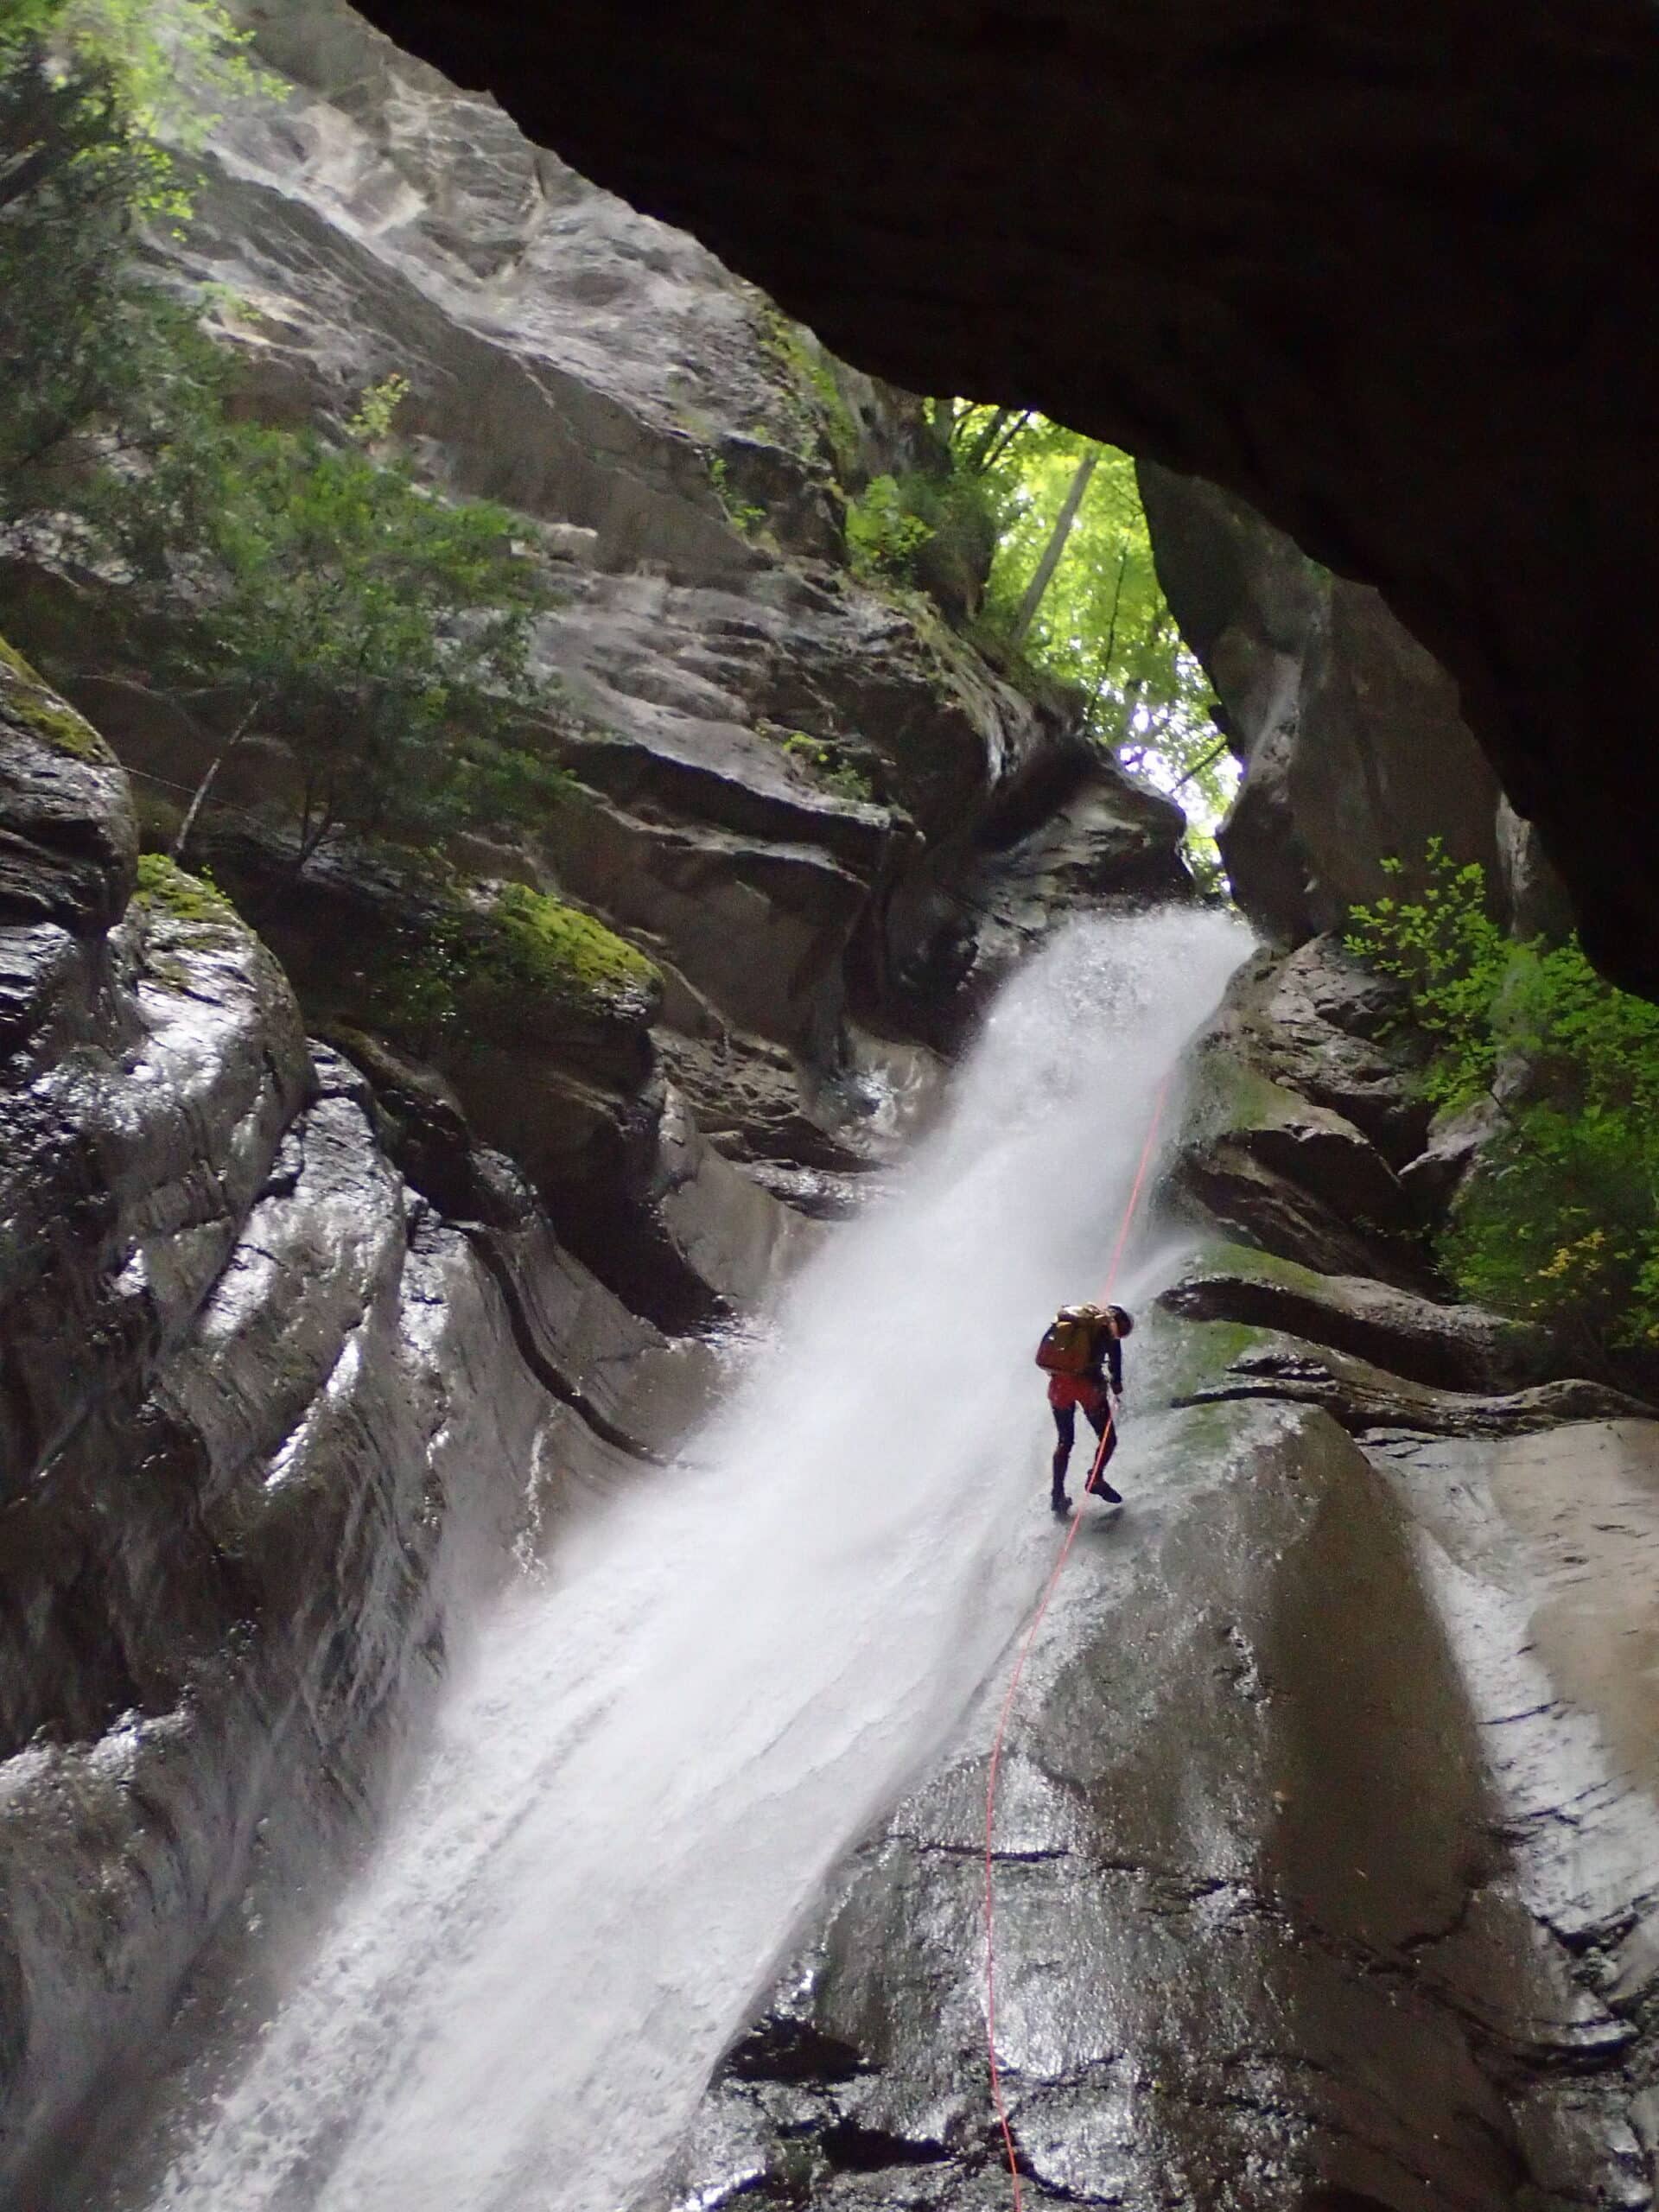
column 1070, row 1341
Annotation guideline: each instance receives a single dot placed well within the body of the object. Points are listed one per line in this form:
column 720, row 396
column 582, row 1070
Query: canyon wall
column 1327, row 1843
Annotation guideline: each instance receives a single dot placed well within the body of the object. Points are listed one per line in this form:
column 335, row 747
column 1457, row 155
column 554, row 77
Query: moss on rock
column 508, row 961
column 548, row 947
column 165, row 888
column 28, row 699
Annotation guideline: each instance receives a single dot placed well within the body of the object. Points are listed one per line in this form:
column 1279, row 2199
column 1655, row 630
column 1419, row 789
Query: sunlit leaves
column 1103, row 626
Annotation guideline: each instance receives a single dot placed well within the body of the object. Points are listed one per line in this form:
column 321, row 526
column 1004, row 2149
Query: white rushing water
column 662, row 1751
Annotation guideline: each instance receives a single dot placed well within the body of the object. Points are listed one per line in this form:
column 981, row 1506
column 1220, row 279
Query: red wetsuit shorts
column 1085, row 1390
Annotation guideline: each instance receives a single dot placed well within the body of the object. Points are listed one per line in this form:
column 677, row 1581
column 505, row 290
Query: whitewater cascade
column 664, row 1746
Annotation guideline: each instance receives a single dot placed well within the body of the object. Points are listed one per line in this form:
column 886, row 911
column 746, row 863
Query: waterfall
column 663, row 1748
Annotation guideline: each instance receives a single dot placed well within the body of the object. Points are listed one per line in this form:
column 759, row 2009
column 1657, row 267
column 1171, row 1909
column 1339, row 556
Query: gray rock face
column 1326, row 1843
column 1240, row 240
column 1326, row 1826
column 810, row 798
column 1302, row 1105
column 1324, row 1027
column 1262, row 1933
column 69, row 842
column 270, row 1426
column 1377, row 1406
column 1270, row 1165
column 1451, row 1347
column 1539, row 903
column 1354, row 746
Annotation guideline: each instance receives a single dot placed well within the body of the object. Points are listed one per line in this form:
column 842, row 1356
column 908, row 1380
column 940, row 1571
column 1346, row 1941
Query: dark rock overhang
column 1382, row 267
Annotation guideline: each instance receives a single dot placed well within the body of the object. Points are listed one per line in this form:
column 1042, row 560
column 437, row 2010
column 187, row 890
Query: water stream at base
column 662, row 1752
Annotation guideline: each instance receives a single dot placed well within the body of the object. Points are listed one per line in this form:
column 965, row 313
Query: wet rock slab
column 271, row 1429
column 1449, row 1347
column 1261, row 1937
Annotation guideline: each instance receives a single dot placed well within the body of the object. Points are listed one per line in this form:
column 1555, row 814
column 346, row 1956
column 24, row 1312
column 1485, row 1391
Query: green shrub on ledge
column 1560, row 1221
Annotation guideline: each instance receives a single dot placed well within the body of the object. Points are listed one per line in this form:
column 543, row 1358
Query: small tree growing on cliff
column 90, row 349
column 380, row 633
column 273, row 584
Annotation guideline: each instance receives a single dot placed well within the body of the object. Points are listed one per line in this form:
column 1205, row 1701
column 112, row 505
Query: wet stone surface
column 271, row 1429
column 1264, row 1935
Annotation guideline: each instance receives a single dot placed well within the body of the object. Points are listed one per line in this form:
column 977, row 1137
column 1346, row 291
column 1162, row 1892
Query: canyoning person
column 1082, row 1355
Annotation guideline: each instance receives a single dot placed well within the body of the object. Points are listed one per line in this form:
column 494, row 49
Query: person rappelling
column 1082, row 1355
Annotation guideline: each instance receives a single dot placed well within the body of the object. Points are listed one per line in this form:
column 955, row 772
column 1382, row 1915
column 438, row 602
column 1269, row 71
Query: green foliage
column 816, row 412
column 166, row 888
column 1102, row 626
column 80, row 340
column 1560, row 1220
column 381, row 634
column 1453, row 959
column 1102, row 629
column 746, row 517
column 825, row 759
column 158, row 66
column 171, row 60
column 884, row 535
column 514, row 944
column 276, row 584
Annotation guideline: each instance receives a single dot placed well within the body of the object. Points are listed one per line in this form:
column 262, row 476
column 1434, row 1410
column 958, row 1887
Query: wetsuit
column 1067, row 1392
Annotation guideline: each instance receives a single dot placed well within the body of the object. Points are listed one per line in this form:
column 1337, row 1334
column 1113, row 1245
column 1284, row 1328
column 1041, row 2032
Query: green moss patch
column 520, row 952
column 825, row 759
column 38, row 708
column 546, row 946
column 12, row 658
column 165, row 888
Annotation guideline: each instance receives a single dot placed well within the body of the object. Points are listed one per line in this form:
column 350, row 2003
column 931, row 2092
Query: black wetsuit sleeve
column 1114, row 1363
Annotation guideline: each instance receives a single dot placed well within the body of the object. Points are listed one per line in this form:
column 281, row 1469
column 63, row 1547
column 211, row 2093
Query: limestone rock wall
column 1381, row 270
column 689, row 453
column 1351, row 736
column 271, row 1425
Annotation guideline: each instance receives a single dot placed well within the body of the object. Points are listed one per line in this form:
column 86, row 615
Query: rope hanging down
column 1020, row 1667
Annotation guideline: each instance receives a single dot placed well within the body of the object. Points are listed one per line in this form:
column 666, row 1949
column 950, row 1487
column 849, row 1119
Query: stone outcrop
column 1351, row 736
column 1451, row 1347
column 1326, row 1846
column 556, row 1071
column 1272, row 1924
column 1273, row 247
column 1322, row 1025
column 1271, row 1165
column 1376, row 1405
column 806, row 797
column 271, row 1423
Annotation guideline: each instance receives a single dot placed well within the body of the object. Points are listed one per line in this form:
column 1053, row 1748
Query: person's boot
column 1059, row 1503
column 1099, row 1487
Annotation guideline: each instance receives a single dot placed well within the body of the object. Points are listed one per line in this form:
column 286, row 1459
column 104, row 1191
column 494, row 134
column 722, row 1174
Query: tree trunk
column 988, row 460
column 987, row 437
column 199, row 798
column 1053, row 550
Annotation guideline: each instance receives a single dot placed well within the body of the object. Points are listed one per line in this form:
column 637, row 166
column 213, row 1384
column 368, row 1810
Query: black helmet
column 1125, row 1320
